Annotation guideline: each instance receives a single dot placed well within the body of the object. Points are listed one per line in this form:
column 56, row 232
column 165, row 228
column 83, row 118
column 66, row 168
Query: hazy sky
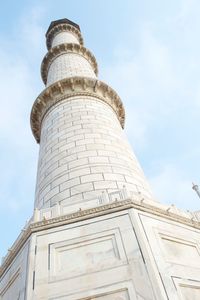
column 148, row 51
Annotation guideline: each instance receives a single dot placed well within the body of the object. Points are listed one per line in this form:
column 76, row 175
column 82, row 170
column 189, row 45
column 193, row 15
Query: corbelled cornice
column 60, row 28
column 66, row 48
column 72, row 87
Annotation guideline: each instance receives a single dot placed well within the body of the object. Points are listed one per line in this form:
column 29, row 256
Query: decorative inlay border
column 86, row 214
column 71, row 87
column 60, row 28
column 66, row 48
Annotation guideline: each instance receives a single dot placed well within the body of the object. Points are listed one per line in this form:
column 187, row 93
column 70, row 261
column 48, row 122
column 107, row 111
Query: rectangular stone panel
column 92, row 258
column 13, row 282
column 11, row 289
column 181, row 251
column 79, row 256
column 187, row 289
column 190, row 292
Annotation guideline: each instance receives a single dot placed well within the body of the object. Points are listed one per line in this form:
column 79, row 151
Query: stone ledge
column 81, row 215
column 60, row 28
column 66, row 48
column 72, row 87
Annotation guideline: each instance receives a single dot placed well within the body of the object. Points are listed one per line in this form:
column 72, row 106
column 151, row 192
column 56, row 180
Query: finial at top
column 196, row 188
column 62, row 21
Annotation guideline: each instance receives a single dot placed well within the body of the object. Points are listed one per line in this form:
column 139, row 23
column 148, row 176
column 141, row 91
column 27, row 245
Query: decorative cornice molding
column 72, row 87
column 62, row 27
column 90, row 213
column 66, row 48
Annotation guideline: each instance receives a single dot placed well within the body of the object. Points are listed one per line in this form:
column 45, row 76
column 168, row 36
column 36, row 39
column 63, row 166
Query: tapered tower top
column 62, row 21
column 63, row 27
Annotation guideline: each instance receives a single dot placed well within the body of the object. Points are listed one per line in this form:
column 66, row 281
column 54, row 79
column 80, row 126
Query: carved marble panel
column 13, row 281
column 11, row 289
column 90, row 260
column 83, row 255
column 187, row 289
column 180, row 251
column 190, row 292
column 176, row 250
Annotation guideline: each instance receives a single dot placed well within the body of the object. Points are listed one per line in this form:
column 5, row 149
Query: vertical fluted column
column 78, row 121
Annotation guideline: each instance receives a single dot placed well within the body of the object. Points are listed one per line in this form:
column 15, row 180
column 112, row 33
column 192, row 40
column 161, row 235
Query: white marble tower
column 96, row 232
column 78, row 122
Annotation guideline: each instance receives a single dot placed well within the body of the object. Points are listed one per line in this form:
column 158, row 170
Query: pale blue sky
column 148, row 51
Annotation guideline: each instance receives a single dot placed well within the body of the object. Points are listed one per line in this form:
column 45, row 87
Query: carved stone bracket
column 66, row 48
column 60, row 28
column 72, row 87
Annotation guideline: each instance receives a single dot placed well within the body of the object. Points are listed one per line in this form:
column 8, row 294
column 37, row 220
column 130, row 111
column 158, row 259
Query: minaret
column 82, row 242
column 78, row 121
